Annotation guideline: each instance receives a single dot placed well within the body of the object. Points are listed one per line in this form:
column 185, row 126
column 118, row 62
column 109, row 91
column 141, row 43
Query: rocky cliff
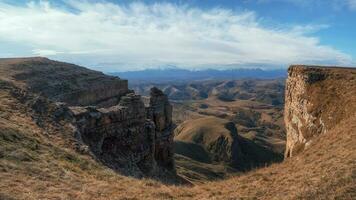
column 124, row 138
column 160, row 112
column 108, row 120
column 316, row 100
column 64, row 82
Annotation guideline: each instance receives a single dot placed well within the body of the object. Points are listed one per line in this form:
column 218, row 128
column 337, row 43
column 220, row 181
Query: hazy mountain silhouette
column 176, row 74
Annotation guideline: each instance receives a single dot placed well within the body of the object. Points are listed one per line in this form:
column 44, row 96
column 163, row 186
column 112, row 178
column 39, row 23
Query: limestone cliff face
column 316, row 99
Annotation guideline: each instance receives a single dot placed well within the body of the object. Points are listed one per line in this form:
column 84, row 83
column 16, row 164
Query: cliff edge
column 316, row 100
column 103, row 117
column 63, row 82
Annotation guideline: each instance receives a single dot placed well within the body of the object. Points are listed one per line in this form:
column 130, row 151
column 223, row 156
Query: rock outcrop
column 109, row 121
column 120, row 136
column 124, row 138
column 160, row 112
column 316, row 100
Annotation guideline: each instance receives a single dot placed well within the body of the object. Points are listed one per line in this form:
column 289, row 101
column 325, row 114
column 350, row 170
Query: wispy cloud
column 352, row 4
column 336, row 4
column 138, row 35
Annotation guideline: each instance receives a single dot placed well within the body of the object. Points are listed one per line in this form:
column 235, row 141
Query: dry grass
column 35, row 165
column 41, row 163
column 324, row 171
column 268, row 126
column 207, row 129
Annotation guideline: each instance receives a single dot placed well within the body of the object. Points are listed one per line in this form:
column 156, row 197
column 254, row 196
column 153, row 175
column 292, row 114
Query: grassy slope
column 261, row 133
column 38, row 163
column 194, row 161
column 199, row 172
column 326, row 170
column 34, row 165
column 204, row 130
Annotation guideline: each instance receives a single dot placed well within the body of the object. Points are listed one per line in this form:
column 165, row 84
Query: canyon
column 67, row 132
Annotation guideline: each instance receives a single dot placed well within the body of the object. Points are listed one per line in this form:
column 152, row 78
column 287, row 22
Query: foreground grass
column 38, row 163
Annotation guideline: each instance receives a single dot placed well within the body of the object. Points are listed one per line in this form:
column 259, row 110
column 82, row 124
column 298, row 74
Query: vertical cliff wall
column 316, row 99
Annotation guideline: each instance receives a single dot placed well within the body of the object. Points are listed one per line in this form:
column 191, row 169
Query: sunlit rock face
column 316, row 99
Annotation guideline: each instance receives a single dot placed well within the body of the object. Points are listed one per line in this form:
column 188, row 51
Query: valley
column 67, row 133
column 177, row 100
column 253, row 106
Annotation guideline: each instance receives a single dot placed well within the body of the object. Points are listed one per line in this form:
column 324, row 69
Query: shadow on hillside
column 193, row 151
column 255, row 155
column 252, row 156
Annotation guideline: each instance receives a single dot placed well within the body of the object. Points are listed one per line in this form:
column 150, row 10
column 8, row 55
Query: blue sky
column 128, row 35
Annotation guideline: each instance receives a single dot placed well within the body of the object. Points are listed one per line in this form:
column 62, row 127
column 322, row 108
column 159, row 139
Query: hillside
column 41, row 161
column 216, row 141
column 65, row 82
column 324, row 171
column 120, row 133
column 255, row 106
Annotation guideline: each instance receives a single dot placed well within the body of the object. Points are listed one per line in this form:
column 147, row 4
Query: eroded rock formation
column 316, row 99
column 129, row 136
column 160, row 112
column 108, row 120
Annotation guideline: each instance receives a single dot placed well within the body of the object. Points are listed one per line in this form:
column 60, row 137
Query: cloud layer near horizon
column 139, row 35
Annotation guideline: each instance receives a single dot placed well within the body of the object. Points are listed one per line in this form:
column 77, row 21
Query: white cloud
column 352, row 4
column 148, row 35
column 334, row 4
column 296, row 2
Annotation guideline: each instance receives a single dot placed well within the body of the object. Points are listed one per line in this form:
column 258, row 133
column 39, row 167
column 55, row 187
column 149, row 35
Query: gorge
column 67, row 132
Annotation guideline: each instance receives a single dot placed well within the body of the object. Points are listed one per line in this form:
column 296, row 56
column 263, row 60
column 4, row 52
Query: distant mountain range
column 176, row 74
